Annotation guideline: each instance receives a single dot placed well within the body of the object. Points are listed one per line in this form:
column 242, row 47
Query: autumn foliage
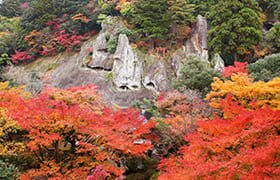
column 240, row 142
column 71, row 132
column 180, row 112
column 21, row 57
column 244, row 90
column 238, row 67
column 9, row 139
column 54, row 38
column 244, row 145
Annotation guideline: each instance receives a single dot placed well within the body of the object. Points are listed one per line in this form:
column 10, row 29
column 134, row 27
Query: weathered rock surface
column 128, row 74
column 112, row 24
column 176, row 58
column 101, row 58
column 155, row 77
column 127, row 69
column 219, row 64
column 70, row 73
column 123, row 77
column 197, row 44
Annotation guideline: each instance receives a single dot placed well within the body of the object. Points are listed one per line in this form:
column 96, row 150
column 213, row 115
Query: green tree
column 45, row 10
column 273, row 36
column 10, row 8
column 236, row 27
column 195, row 74
column 265, row 69
column 203, row 6
column 181, row 13
column 8, row 43
column 39, row 12
column 152, row 19
column 71, row 7
column 6, row 23
column 271, row 8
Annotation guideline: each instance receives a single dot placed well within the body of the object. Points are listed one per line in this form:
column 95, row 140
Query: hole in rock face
column 267, row 25
column 103, row 50
column 101, row 68
column 135, row 86
column 97, row 68
column 150, row 84
column 124, row 87
column 117, row 59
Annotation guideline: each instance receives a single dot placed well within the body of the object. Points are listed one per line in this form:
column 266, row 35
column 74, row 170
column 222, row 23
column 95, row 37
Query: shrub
column 113, row 42
column 195, row 74
column 178, row 114
column 8, row 171
column 265, row 69
column 4, row 60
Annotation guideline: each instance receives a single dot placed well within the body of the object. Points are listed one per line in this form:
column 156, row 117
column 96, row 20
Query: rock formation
column 123, row 77
column 128, row 74
column 198, row 44
column 127, row 69
column 219, row 64
column 101, row 59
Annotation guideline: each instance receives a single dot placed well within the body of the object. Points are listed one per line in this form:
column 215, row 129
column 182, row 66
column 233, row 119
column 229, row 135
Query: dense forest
column 210, row 125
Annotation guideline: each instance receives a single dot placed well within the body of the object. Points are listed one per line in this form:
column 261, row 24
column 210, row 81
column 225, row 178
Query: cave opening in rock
column 98, row 68
column 124, row 87
column 150, row 84
column 103, row 50
column 135, row 86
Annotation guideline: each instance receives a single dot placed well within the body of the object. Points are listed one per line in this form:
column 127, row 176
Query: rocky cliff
column 122, row 77
column 198, row 45
column 127, row 74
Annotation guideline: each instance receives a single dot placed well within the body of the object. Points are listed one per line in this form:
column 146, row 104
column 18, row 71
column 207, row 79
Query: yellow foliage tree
column 8, row 132
column 244, row 90
column 9, row 128
column 81, row 17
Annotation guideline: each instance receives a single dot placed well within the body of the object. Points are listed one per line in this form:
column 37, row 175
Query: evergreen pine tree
column 10, row 8
column 181, row 13
column 152, row 18
column 236, row 27
column 203, row 6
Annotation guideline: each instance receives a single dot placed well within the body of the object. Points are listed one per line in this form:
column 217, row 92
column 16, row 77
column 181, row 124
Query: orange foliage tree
column 245, row 145
column 180, row 112
column 178, row 115
column 241, row 142
column 71, row 132
column 238, row 67
column 244, row 90
column 10, row 144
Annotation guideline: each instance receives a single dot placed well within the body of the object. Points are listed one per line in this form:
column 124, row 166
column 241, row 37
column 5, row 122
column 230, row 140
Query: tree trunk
column 234, row 56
